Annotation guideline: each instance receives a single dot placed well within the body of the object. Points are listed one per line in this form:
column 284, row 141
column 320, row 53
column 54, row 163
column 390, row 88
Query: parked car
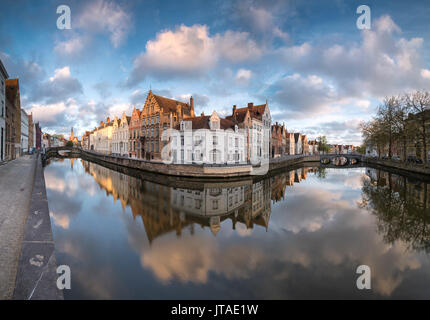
column 419, row 161
column 411, row 159
column 395, row 158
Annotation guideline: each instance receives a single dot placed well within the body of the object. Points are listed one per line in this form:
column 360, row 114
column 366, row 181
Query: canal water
column 299, row 234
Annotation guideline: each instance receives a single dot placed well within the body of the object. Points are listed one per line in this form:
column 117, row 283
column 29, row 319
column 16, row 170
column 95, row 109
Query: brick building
column 13, row 104
column 159, row 114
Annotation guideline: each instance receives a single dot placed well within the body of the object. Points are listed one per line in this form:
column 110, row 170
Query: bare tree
column 374, row 135
column 387, row 118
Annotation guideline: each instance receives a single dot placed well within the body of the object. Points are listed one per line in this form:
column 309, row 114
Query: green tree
column 69, row 143
column 323, row 147
column 361, row 149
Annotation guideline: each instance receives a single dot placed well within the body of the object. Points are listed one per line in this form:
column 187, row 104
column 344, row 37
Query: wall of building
column 24, row 132
column 2, row 114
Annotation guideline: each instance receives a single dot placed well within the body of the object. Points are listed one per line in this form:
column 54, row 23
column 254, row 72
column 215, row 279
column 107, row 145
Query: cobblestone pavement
column 16, row 184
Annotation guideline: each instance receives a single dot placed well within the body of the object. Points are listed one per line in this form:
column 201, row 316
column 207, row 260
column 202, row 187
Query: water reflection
column 402, row 207
column 163, row 209
column 298, row 234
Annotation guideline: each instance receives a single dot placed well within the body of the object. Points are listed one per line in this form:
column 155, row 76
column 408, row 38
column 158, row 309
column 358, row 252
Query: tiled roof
column 202, row 122
column 170, row 105
column 240, row 115
column 255, row 112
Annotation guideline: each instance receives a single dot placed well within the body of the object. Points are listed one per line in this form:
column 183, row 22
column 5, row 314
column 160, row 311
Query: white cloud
column 47, row 113
column 72, row 47
column 243, row 76
column 380, row 65
column 425, row 73
column 303, row 95
column 191, row 51
column 59, row 87
column 106, row 17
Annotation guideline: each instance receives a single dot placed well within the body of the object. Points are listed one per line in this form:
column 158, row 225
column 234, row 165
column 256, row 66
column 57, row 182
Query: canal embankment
column 36, row 277
column 413, row 170
column 27, row 258
column 197, row 170
column 16, row 186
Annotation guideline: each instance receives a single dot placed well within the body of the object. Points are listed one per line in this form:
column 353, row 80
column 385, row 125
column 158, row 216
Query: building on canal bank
column 256, row 121
column 14, row 110
column 207, row 139
column 3, row 112
column 24, row 132
column 121, row 135
column 158, row 114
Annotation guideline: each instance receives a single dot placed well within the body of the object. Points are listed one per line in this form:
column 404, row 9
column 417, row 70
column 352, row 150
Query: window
column 215, row 140
column 215, row 204
column 198, row 203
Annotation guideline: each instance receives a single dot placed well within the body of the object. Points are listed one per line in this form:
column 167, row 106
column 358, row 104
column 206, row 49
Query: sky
column 319, row 73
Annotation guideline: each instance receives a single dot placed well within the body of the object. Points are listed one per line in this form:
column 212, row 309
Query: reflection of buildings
column 164, row 209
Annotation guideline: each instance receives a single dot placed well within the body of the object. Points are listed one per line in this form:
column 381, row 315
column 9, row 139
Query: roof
column 255, row 112
column 202, row 122
column 296, row 136
column 240, row 115
column 170, row 105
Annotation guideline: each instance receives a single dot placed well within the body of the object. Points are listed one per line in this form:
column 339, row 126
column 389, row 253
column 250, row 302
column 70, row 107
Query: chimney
column 191, row 102
column 101, row 123
column 250, row 104
column 234, row 109
column 107, row 120
column 202, row 114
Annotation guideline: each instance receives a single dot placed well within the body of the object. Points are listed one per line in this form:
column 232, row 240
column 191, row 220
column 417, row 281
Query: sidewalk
column 16, row 184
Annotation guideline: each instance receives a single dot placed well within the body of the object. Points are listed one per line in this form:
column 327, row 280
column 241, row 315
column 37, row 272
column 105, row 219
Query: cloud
column 103, row 88
column 345, row 132
column 380, row 65
column 243, row 76
column 138, row 97
column 190, row 52
column 303, row 95
column 425, row 73
column 106, row 17
column 61, row 86
column 94, row 18
column 263, row 18
column 27, row 71
column 72, row 48
column 200, row 100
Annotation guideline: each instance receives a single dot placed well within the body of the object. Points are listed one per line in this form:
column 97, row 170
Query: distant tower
column 71, row 134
